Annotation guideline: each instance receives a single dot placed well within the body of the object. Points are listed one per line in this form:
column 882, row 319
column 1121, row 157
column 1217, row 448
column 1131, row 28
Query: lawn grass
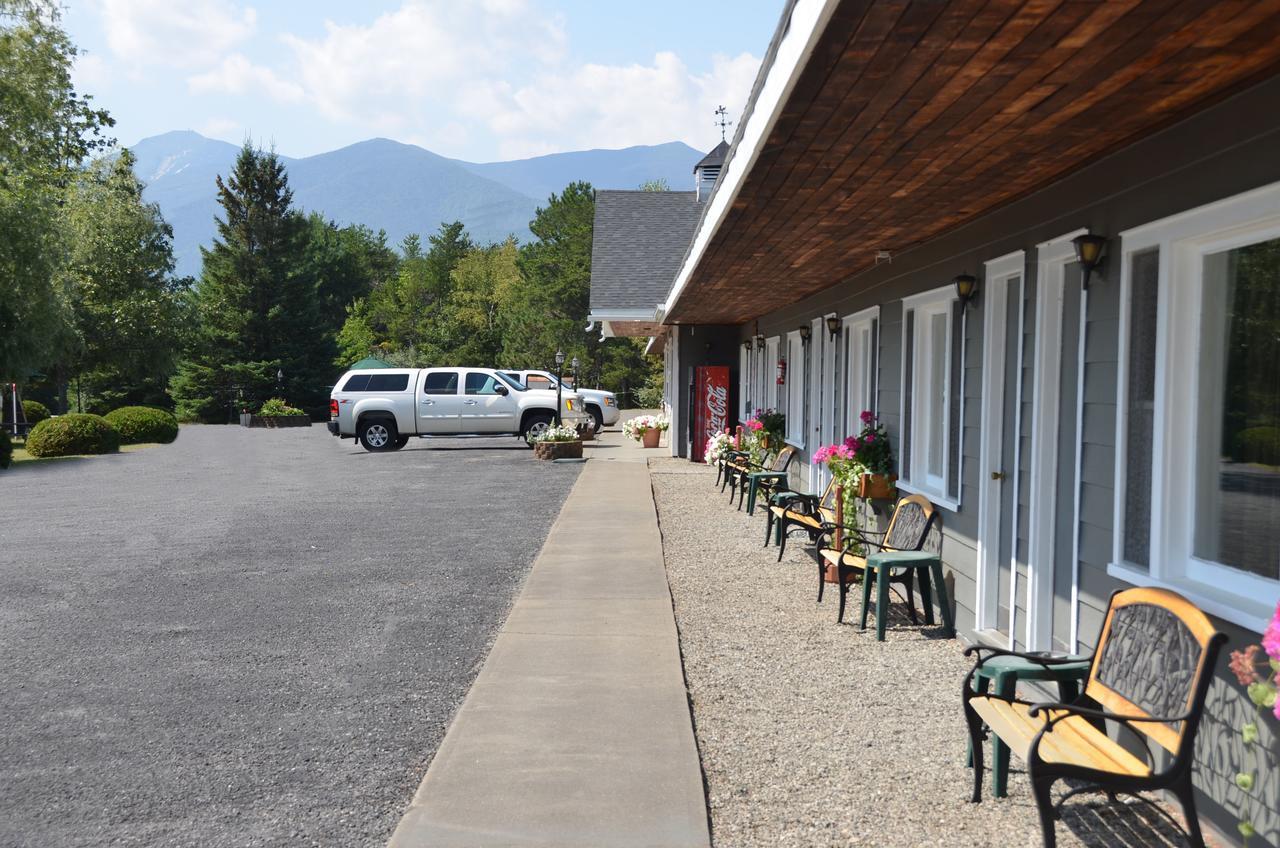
column 20, row 454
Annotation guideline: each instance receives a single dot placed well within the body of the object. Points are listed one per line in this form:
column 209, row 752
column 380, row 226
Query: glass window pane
column 1238, row 432
column 937, row 388
column 1144, row 274
column 954, row 401
column 356, row 383
column 908, row 388
column 481, row 384
column 388, row 382
column 441, row 383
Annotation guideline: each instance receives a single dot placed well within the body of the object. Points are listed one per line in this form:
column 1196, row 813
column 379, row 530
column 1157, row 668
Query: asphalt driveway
column 249, row 637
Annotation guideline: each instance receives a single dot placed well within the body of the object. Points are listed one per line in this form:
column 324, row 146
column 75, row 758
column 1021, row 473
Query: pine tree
column 256, row 305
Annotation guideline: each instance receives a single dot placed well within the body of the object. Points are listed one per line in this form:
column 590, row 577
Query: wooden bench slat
column 1074, row 740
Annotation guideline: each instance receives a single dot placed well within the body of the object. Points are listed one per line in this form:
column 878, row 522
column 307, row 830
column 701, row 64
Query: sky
column 481, row 80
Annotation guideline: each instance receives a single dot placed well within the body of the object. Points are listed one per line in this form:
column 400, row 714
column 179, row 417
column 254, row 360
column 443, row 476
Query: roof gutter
column 793, row 43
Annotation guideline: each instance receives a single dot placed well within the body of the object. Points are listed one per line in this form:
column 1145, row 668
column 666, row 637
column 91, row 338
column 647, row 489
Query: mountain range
column 399, row 188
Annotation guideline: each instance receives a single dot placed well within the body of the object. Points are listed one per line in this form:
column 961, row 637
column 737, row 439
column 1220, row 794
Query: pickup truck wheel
column 536, row 426
column 400, row 442
column 378, row 434
column 597, row 416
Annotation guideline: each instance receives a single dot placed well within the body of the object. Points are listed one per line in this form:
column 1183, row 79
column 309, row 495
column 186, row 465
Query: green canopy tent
column 370, row 362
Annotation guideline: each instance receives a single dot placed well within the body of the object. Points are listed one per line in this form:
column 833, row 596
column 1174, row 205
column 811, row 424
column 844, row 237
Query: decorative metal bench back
column 783, row 459
column 828, row 501
column 909, row 526
column 1153, row 659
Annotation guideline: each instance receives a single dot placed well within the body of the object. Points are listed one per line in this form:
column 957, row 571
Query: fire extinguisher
column 782, row 372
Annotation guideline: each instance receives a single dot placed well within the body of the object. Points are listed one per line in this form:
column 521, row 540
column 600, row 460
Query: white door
column 439, row 402
column 485, row 409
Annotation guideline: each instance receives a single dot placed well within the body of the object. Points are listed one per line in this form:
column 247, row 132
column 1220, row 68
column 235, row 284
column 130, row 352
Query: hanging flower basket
column 877, row 486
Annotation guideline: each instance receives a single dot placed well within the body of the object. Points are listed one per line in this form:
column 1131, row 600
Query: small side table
column 1004, row 672
column 753, row 485
column 924, row 563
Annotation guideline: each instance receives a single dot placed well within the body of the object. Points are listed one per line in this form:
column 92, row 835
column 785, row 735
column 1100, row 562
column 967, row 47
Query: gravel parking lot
column 813, row 733
column 249, row 637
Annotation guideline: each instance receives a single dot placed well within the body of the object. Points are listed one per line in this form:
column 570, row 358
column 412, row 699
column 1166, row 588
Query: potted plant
column 276, row 413
column 1257, row 668
column 557, row 442
column 646, row 429
column 861, row 463
column 717, row 446
column 763, row 434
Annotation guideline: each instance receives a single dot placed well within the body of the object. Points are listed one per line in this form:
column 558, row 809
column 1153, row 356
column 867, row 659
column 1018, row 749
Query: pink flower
column 822, row 454
column 1271, row 638
column 1244, row 665
column 753, row 424
column 867, row 416
column 849, row 441
column 869, row 438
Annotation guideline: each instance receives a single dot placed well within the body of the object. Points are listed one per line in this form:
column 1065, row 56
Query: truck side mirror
column 500, row 389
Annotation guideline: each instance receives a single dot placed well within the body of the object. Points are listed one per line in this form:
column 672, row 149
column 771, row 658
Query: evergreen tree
column 256, row 306
column 125, row 305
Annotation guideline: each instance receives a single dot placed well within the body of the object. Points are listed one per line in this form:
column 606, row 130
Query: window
column 440, row 383
column 770, row 399
column 388, row 382
column 744, row 383
column 377, row 383
column 537, row 381
column 860, row 363
column 794, row 388
column 932, row 342
column 481, row 384
column 1198, row 429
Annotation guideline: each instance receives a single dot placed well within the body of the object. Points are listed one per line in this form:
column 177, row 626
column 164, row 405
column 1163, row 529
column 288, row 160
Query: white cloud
column 417, row 53
column 237, row 75
column 615, row 106
column 90, row 72
column 227, row 129
column 174, row 33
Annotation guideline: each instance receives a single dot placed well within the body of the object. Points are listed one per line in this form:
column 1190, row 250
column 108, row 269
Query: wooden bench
column 844, row 560
column 797, row 511
column 1149, row 674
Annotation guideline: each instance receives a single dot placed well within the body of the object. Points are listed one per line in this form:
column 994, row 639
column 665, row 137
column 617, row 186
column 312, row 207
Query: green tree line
column 92, row 316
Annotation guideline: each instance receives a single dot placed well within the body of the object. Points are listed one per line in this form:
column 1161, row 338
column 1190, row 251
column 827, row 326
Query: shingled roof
column 639, row 242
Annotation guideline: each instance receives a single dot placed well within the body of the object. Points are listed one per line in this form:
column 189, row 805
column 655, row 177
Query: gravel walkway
column 813, row 733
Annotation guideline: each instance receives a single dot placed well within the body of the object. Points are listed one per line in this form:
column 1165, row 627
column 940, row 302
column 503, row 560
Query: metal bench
column 1149, row 674
column 797, row 511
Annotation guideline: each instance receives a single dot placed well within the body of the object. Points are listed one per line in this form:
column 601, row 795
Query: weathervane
column 721, row 120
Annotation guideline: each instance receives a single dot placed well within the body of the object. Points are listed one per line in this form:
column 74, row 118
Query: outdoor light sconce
column 760, row 342
column 1089, row 254
column 747, row 345
column 966, row 288
column 833, row 326
column 805, row 332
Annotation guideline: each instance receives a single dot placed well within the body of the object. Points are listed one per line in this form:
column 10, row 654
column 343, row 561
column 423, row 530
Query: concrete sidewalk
column 577, row 730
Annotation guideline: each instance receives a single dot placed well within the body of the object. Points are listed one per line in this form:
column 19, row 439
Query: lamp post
column 280, row 381
column 574, row 364
column 559, row 383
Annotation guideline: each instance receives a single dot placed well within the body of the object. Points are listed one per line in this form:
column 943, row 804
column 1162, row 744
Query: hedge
column 6, row 449
column 276, row 406
column 35, row 411
column 143, row 424
column 68, row 435
column 1257, row 444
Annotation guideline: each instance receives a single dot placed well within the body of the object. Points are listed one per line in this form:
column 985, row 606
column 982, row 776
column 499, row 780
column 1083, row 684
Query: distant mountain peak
column 393, row 186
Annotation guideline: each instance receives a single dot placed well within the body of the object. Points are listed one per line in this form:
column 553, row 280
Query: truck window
column 441, row 383
column 537, row 381
column 481, row 384
column 388, row 382
column 356, row 383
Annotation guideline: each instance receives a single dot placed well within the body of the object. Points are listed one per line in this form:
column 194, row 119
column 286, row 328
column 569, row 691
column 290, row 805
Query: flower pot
column 650, row 438
column 877, row 486
column 557, row 450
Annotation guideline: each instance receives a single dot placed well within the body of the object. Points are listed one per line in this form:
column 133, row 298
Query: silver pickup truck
column 385, row 407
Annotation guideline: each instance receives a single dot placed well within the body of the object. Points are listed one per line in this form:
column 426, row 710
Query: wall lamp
column 1089, row 249
column 833, row 326
column 805, row 332
column 760, row 342
column 747, row 345
column 966, row 288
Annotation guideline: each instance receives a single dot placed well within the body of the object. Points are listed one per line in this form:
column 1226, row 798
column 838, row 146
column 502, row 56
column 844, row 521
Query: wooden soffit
column 634, row 329
column 912, row 118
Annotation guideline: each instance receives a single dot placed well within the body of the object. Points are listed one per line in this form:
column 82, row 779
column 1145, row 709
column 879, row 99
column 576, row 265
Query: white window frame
column 744, row 381
column 797, row 371
column 770, row 396
column 926, row 305
column 1183, row 241
column 759, row 394
column 862, row 363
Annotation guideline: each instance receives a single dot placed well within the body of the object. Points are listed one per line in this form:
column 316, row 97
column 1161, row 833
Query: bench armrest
column 979, row 650
column 1090, row 712
column 787, row 498
column 828, row 529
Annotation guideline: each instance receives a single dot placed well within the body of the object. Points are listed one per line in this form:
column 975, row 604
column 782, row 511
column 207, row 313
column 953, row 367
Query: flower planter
column 247, row 420
column 877, row 486
column 650, row 438
column 557, row 450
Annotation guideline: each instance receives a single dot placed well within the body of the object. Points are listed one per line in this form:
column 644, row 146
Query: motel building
column 896, row 226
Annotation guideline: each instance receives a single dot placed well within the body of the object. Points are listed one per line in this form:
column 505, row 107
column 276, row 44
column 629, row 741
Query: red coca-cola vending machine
column 710, row 407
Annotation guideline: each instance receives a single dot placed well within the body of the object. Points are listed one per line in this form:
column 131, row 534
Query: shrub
column 1257, row 444
column 6, row 449
column 68, row 435
column 276, row 406
column 35, row 411
column 140, row 424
